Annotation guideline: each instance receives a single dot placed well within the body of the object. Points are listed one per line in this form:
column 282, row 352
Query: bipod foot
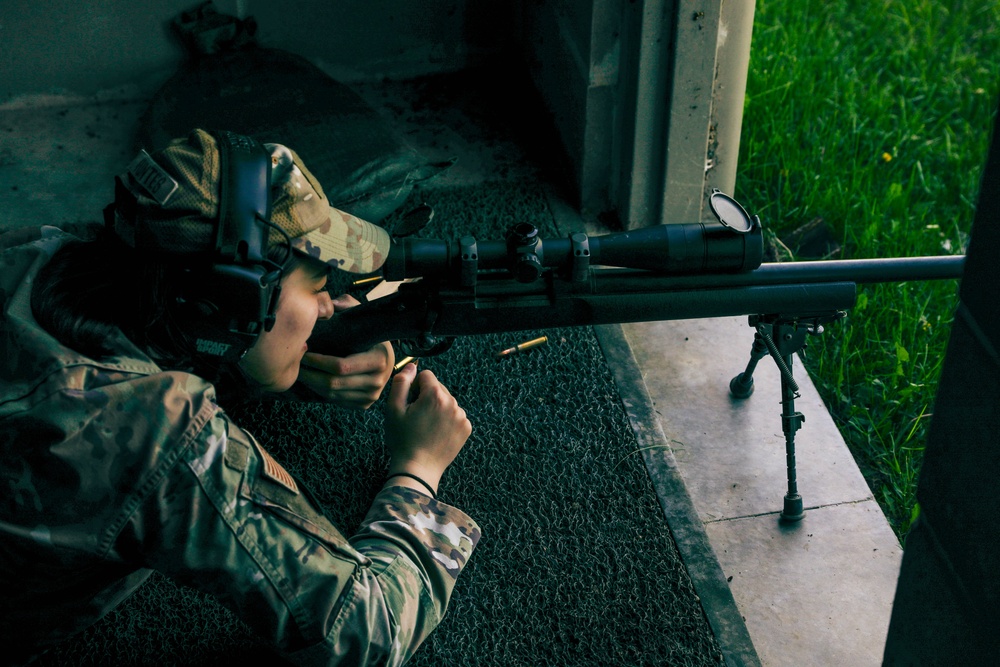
column 792, row 511
column 741, row 386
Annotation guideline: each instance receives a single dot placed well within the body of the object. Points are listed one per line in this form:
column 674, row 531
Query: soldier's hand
column 354, row 382
column 426, row 434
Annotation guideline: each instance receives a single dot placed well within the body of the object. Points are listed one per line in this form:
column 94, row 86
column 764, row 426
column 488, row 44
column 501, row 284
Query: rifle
column 664, row 272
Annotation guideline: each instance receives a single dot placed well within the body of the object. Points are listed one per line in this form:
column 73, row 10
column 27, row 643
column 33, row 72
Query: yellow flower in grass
column 886, row 157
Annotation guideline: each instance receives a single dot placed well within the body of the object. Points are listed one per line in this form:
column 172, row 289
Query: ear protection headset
column 233, row 299
column 226, row 297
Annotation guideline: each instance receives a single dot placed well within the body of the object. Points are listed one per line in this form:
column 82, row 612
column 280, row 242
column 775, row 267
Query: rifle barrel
column 894, row 269
column 882, row 270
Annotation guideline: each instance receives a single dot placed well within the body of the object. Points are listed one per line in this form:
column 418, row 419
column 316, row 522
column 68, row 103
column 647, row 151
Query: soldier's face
column 274, row 359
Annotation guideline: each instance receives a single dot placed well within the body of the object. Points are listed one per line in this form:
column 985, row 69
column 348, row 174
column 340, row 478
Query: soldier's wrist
column 412, row 481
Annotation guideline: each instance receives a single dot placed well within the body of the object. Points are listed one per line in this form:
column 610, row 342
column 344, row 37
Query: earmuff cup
column 227, row 303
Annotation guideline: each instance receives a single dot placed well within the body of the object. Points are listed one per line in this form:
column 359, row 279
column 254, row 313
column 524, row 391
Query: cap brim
column 347, row 243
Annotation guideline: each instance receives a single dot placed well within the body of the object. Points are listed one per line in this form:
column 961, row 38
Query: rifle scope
column 731, row 245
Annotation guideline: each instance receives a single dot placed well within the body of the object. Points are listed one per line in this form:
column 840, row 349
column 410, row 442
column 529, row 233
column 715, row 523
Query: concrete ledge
column 818, row 592
column 686, row 528
column 815, row 593
column 732, row 451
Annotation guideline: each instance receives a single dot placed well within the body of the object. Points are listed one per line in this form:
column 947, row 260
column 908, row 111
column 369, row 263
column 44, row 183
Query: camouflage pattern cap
column 176, row 191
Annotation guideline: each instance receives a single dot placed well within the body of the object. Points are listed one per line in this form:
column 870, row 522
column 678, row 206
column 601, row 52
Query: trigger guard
column 428, row 346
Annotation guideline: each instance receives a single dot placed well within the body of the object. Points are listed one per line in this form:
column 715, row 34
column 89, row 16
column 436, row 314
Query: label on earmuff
column 212, row 347
column 152, row 177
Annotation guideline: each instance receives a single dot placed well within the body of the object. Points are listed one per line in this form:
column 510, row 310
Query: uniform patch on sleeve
column 272, row 470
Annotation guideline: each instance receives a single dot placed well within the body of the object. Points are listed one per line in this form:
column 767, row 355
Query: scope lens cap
column 730, row 213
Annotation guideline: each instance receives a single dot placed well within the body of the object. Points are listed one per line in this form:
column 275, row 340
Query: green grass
column 875, row 115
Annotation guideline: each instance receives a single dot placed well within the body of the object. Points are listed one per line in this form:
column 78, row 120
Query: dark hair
column 91, row 290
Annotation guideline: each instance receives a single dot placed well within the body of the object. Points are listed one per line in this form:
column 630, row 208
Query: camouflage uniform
column 115, row 468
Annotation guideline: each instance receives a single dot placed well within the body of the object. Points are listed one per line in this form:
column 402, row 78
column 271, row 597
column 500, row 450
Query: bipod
column 781, row 336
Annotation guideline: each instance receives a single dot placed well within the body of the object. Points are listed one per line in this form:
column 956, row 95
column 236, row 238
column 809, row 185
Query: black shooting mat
column 576, row 565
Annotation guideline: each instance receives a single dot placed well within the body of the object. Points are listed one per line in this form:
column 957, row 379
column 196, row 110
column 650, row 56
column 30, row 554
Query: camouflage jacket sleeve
column 115, row 466
column 261, row 548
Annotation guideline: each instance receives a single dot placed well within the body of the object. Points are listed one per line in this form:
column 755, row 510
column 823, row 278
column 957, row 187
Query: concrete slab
column 818, row 592
column 815, row 593
column 58, row 158
column 732, row 451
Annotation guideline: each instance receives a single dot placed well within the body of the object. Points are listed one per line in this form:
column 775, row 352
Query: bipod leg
column 791, row 421
column 741, row 386
column 780, row 338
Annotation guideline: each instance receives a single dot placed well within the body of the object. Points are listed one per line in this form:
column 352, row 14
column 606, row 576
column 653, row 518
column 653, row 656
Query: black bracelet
column 413, row 477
